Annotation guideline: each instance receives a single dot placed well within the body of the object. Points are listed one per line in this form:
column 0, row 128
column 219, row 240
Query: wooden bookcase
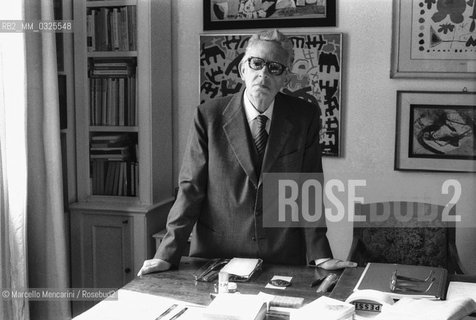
column 123, row 123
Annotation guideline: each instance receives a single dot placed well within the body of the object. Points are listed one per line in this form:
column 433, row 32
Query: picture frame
column 433, row 40
column 315, row 75
column 247, row 14
column 435, row 131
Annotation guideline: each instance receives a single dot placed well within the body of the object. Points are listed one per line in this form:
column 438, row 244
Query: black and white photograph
column 237, row 159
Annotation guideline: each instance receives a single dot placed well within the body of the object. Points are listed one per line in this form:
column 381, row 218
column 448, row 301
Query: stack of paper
column 235, row 306
column 324, row 308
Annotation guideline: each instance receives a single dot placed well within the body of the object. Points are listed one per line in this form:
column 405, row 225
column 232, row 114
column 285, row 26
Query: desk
column 180, row 284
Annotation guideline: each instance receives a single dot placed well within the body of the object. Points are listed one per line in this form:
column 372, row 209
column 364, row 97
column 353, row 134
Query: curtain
column 13, row 179
column 33, row 242
column 47, row 249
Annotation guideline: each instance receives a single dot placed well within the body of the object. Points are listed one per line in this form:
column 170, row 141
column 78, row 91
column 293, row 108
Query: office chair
column 406, row 233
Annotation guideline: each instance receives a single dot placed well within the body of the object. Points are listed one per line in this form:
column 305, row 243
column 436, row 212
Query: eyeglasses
column 399, row 283
column 275, row 68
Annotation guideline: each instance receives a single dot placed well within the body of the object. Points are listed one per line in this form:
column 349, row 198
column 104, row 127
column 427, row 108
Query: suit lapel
column 236, row 131
column 278, row 134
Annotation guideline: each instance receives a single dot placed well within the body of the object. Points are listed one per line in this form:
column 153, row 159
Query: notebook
column 241, row 269
column 378, row 276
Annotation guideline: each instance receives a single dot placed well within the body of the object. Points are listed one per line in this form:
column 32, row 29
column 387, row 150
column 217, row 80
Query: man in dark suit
column 233, row 141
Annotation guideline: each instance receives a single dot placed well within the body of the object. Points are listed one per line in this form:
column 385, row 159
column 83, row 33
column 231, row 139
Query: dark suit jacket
column 220, row 190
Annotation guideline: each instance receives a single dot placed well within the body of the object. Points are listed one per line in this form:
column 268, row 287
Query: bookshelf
column 123, row 138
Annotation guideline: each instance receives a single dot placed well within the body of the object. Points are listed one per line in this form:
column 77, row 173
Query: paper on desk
column 423, row 309
column 138, row 306
column 324, row 308
column 458, row 290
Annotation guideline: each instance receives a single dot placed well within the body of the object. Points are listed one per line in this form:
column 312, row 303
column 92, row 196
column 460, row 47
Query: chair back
column 406, row 233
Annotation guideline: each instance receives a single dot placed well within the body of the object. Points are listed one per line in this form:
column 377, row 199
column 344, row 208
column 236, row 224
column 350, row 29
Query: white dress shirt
column 252, row 113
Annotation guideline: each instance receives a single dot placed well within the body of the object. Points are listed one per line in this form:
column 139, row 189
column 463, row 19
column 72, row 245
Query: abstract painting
column 435, row 37
column 436, row 131
column 243, row 14
column 441, row 131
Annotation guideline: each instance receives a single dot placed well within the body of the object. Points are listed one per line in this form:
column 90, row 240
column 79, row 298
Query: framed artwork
column 434, row 39
column 436, row 131
column 245, row 14
column 316, row 75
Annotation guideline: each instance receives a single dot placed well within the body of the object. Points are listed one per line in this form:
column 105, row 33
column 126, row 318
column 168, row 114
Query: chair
column 405, row 233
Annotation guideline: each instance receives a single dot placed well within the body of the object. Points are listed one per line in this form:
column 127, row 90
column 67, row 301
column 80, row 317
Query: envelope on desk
column 241, row 269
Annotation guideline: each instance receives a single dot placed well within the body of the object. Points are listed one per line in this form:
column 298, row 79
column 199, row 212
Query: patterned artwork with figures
column 316, row 75
column 443, row 29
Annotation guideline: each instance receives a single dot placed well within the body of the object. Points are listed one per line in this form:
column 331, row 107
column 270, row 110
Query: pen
column 166, row 312
column 179, row 314
column 315, row 282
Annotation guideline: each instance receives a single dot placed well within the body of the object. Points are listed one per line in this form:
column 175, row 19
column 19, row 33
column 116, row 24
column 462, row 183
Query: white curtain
column 33, row 231
column 47, row 250
column 13, row 180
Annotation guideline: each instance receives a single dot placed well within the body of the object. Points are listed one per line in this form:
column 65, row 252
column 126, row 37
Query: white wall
column 368, row 106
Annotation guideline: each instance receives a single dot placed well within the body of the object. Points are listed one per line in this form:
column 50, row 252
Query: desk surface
column 180, row 284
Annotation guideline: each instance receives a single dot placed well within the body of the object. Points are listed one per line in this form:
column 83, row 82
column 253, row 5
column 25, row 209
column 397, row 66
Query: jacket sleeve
column 317, row 244
column 193, row 180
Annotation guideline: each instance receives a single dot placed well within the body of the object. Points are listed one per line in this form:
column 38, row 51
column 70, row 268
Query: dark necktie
column 261, row 136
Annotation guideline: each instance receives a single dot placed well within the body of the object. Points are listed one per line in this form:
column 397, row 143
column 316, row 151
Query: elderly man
column 233, row 141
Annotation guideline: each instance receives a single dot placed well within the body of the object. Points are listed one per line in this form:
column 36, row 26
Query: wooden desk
column 180, row 284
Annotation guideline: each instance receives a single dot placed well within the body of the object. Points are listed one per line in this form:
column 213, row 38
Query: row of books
column 112, row 29
column 112, row 102
column 116, row 178
column 114, row 146
column 124, row 67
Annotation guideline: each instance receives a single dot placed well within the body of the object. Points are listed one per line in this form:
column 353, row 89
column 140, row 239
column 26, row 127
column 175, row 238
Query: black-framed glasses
column 275, row 68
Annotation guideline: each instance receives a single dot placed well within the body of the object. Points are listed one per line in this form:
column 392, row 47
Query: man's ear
column 241, row 70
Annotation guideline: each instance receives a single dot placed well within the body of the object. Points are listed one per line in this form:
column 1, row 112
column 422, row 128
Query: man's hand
column 154, row 265
column 334, row 264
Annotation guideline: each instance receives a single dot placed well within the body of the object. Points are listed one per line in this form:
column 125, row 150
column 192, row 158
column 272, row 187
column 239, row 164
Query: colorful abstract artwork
column 316, row 75
column 443, row 29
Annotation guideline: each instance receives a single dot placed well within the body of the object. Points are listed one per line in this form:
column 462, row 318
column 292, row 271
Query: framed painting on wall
column 436, row 131
column 245, row 14
column 434, row 39
column 315, row 75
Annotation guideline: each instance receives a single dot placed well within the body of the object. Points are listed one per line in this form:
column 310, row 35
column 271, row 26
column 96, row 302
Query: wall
column 369, row 99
